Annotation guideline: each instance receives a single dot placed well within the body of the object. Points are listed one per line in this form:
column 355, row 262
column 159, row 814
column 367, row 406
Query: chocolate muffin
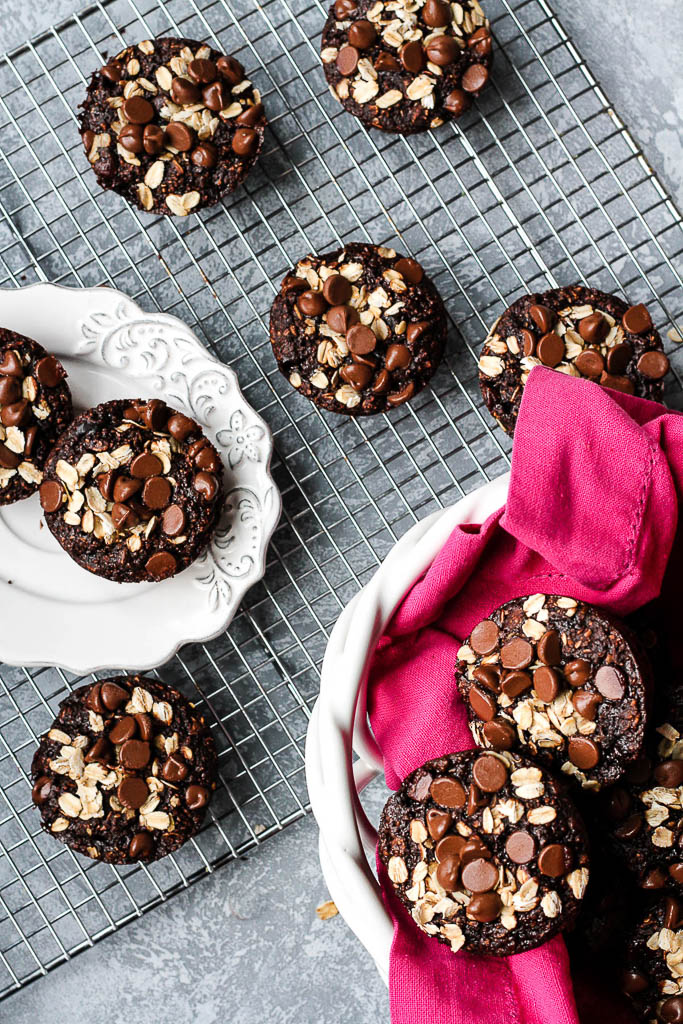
column 560, row 681
column 133, row 490
column 359, row 330
column 35, row 407
column 652, row 975
column 579, row 331
column 126, row 772
column 486, row 851
column 405, row 66
column 172, row 125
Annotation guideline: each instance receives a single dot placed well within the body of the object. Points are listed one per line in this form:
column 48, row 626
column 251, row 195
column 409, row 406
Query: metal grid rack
column 540, row 185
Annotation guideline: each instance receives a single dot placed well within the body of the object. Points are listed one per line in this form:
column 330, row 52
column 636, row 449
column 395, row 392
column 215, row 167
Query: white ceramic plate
column 54, row 612
column 342, row 756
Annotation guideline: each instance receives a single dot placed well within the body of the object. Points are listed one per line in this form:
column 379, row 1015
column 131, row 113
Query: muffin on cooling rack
column 35, row 407
column 359, row 330
column 406, row 65
column 133, row 490
column 126, row 771
column 576, row 330
column 172, row 125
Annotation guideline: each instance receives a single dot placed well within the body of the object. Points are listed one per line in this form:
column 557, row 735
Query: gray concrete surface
column 245, row 945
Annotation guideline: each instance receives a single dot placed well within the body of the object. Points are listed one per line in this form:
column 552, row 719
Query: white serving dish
column 339, row 728
column 56, row 613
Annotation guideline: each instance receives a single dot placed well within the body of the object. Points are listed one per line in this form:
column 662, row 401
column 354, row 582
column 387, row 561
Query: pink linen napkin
column 592, row 512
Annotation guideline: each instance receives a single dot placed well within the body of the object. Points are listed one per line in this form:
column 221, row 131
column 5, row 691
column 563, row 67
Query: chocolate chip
column 112, row 695
column 154, row 139
column 488, row 676
column 630, row 828
column 475, row 799
column 41, row 790
column 520, row 847
column 135, row 754
column 230, row 68
column 202, row 70
column 443, row 50
column 30, row 438
column 196, row 797
column 205, row 155
column 436, row 14
column 144, row 724
column 457, row 102
column 337, row 290
column 672, row 912
column 398, row 357
column 618, row 358
column 10, row 364
column 618, row 803
column 577, row 672
column 382, row 383
column 173, row 521
column 490, row 774
column 447, row 873
column 655, row 879
column 516, row 653
column 669, row 774
column 251, row 116
column 653, row 364
column 516, row 683
column 593, row 328
column 18, row 414
column 583, row 752
column 586, row 703
column 480, row 42
column 671, row 1010
column 416, row 330
column 157, row 492
column 123, row 730
column 474, row 849
column 357, row 375
column 550, row 349
column 543, row 317
column 409, row 269
column 361, row 339
column 550, row 648
column 343, row 9
column 8, row 458
column 125, row 488
column 311, row 303
column 141, row 846
column 113, row 72
column 590, row 363
column 479, row 875
column 180, row 427
column 10, row 390
column 438, row 823
column 180, row 136
column 138, row 110
column 676, row 872
column 483, row 704
column 484, row 907
column 554, row 860
column 448, row 792
column 183, row 91
column 206, row 485
column 528, row 342
column 51, row 495
column 341, row 318
column 499, row 734
column 546, row 683
column 347, row 60
column 609, row 681
column 123, row 516
column 245, row 141
column 132, row 791
column 174, row 769
column 412, row 58
column 622, row 384
column 93, row 698
column 145, row 465
column 633, row 982
column 161, row 565
column 386, row 62
column 475, row 78
column 49, row 372
column 450, row 846
column 362, row 34
column 636, row 320
column 100, row 751
column 215, row 96
column 484, row 637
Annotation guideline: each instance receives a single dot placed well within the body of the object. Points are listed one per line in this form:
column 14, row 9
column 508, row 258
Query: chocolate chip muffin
column 486, row 851
column 172, row 125
column 126, row 772
column 652, row 976
column 406, row 65
column 35, row 407
column 359, row 330
column 560, row 681
column 133, row 490
column 579, row 331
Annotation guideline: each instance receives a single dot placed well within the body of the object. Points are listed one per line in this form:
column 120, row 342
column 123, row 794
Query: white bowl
column 55, row 612
column 339, row 727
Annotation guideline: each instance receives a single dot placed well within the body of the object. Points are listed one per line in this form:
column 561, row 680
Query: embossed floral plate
column 54, row 612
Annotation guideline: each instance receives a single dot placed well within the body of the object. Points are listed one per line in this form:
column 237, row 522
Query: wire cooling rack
column 541, row 185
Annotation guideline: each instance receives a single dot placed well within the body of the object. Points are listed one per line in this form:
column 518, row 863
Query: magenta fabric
column 592, row 512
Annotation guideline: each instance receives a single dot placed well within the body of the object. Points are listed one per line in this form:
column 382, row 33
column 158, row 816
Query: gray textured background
column 245, row 945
